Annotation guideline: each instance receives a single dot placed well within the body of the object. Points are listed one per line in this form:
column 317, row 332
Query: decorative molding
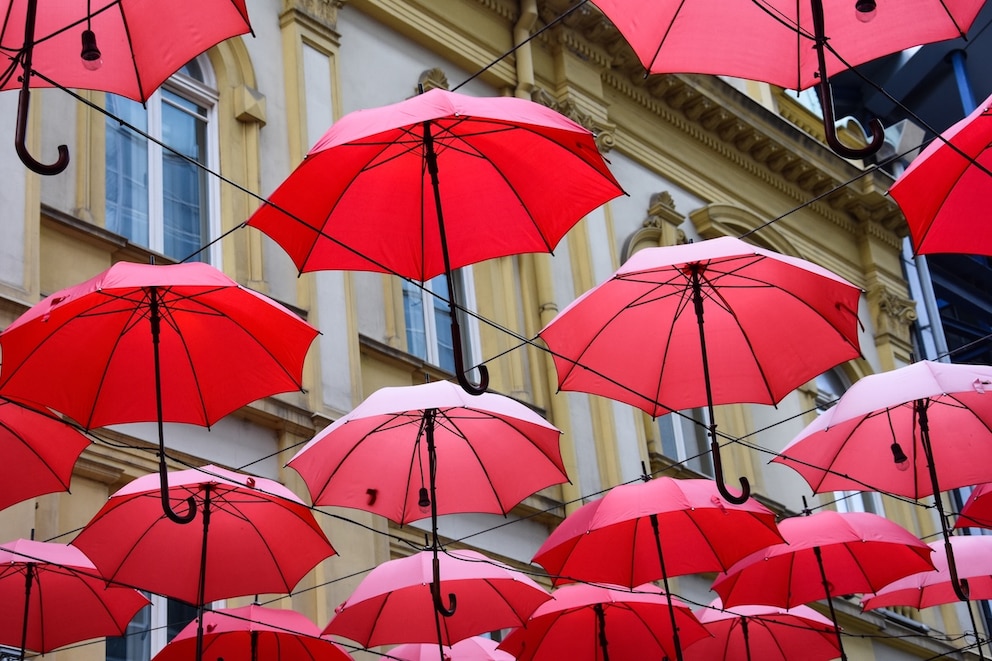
column 324, row 12
column 249, row 105
column 894, row 314
column 434, row 78
column 605, row 132
column 659, row 228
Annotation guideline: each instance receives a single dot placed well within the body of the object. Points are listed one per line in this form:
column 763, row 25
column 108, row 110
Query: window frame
column 679, row 425
column 465, row 293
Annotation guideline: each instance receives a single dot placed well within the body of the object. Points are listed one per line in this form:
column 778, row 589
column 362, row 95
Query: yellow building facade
column 699, row 157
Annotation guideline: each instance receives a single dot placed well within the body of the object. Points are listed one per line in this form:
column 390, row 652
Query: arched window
column 154, row 197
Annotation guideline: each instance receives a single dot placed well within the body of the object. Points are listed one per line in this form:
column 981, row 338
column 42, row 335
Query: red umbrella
column 129, row 48
column 393, row 603
column 86, row 351
column 475, row 648
column 656, row 529
column 473, row 157
column 257, row 536
column 767, row 633
column 590, row 622
column 52, row 595
column 947, row 186
column 772, row 323
column 977, row 511
column 39, row 452
column 824, row 555
column 784, row 42
column 878, row 435
column 254, row 633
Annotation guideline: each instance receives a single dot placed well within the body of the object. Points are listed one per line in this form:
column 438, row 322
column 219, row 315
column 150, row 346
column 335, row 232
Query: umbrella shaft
column 203, row 574
column 28, row 580
column 830, row 602
column 668, row 591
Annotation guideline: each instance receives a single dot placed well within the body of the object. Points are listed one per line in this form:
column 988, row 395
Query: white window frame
column 465, row 290
column 680, row 428
column 158, row 623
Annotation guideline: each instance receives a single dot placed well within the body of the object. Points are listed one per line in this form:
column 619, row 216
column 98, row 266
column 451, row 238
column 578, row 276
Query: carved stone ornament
column 323, row 11
column 604, row 132
column 434, row 79
column 895, row 313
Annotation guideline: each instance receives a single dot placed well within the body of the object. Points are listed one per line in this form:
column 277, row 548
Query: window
column 154, row 197
column 149, row 630
column 684, row 437
column 428, row 319
column 829, row 387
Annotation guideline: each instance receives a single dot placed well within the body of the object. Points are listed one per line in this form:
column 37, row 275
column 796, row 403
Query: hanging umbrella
column 126, row 47
column 51, row 595
column 475, row 158
column 772, row 323
column 410, row 452
column 945, row 188
column 38, row 453
column 394, row 604
column 824, row 555
column 593, row 623
column 764, row 633
column 86, row 351
column 256, row 537
column 977, row 511
column 656, row 529
column 783, row 42
column 475, row 648
column 878, row 436
column 254, row 633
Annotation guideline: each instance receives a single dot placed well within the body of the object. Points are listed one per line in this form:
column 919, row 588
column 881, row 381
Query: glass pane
column 413, row 316
column 184, row 185
column 669, row 443
column 697, row 442
column 135, row 644
column 127, row 172
column 179, row 615
column 442, row 324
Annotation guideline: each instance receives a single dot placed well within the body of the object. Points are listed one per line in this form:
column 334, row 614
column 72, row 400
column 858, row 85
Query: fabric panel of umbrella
column 772, row 322
column 254, row 633
column 140, row 45
column 256, row 537
column 476, row 648
column 592, row 623
column 38, row 450
column 784, row 42
column 767, row 633
column 945, row 186
column 973, row 555
column 878, row 436
column 394, row 603
column 52, row 595
column 977, row 510
column 824, row 555
column 493, row 453
column 86, row 351
column 618, row 538
column 449, row 162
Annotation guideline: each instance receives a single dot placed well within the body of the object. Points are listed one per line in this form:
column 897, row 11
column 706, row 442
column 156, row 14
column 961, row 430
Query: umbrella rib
column 34, row 451
column 685, row 298
column 950, row 188
column 649, row 627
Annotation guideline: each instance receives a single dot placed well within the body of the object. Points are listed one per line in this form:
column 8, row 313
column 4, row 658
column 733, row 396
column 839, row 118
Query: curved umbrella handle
column 827, row 99
column 960, row 585
column 439, row 606
column 456, row 342
column 166, row 506
column 718, row 475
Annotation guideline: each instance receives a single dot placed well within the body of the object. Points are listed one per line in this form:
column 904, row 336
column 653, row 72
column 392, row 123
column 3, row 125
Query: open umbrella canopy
column 977, row 510
column 493, row 155
column 767, row 633
column 851, row 446
column 973, row 556
column 475, row 648
column 943, row 191
column 861, row 552
column 593, row 623
column 612, row 540
column 51, row 595
column 394, row 604
column 772, row 322
column 259, row 538
column 87, row 351
column 38, row 451
column 254, row 633
column 492, row 452
column 772, row 41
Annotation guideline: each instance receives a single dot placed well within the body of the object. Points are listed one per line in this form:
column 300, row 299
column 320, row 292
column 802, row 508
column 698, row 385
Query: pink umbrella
column 394, row 603
column 39, row 451
column 415, row 451
column 591, row 622
column 257, row 536
column 475, row 648
column 878, row 435
column 946, row 187
column 767, row 633
column 977, row 511
column 784, row 42
column 52, row 595
column 254, row 633
column 824, row 555
column 772, row 323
